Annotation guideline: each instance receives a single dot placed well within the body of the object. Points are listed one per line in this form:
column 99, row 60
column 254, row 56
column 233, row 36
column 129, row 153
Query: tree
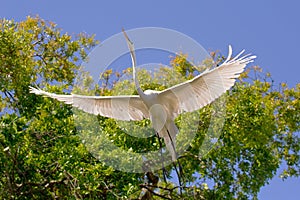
column 43, row 156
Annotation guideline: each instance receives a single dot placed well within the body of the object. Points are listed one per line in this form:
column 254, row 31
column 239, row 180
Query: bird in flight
column 161, row 107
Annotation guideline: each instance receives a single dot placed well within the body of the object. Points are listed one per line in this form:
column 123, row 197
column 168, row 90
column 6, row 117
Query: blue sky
column 270, row 29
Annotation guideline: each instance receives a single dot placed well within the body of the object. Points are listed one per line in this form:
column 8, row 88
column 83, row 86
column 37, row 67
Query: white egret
column 161, row 107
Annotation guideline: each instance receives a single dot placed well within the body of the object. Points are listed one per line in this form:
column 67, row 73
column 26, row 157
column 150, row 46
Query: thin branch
column 154, row 193
column 108, row 188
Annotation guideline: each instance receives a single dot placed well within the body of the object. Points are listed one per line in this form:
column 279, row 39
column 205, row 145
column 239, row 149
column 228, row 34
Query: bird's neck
column 136, row 81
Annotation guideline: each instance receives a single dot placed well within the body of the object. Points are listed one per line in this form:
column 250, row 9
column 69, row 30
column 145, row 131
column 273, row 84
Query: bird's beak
column 126, row 36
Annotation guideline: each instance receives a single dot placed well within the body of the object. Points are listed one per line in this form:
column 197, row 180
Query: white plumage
column 161, row 107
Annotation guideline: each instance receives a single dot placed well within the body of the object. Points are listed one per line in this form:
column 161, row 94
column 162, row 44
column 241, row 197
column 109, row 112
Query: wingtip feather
column 35, row 90
column 229, row 54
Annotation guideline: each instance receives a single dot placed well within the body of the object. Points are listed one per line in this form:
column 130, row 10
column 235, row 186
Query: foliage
column 43, row 156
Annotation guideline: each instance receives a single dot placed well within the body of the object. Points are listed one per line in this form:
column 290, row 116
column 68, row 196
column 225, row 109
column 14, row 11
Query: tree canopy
column 43, row 156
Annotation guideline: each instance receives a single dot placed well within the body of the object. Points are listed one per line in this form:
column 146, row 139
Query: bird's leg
column 162, row 158
column 179, row 174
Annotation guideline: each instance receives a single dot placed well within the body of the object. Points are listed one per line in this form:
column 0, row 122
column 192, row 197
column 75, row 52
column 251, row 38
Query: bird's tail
column 169, row 135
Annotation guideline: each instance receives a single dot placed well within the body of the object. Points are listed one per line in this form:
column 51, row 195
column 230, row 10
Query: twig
column 154, row 193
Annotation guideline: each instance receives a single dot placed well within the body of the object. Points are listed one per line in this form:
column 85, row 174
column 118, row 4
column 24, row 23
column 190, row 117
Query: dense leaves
column 44, row 155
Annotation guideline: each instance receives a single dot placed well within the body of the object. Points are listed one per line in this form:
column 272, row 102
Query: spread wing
column 206, row 87
column 118, row 107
